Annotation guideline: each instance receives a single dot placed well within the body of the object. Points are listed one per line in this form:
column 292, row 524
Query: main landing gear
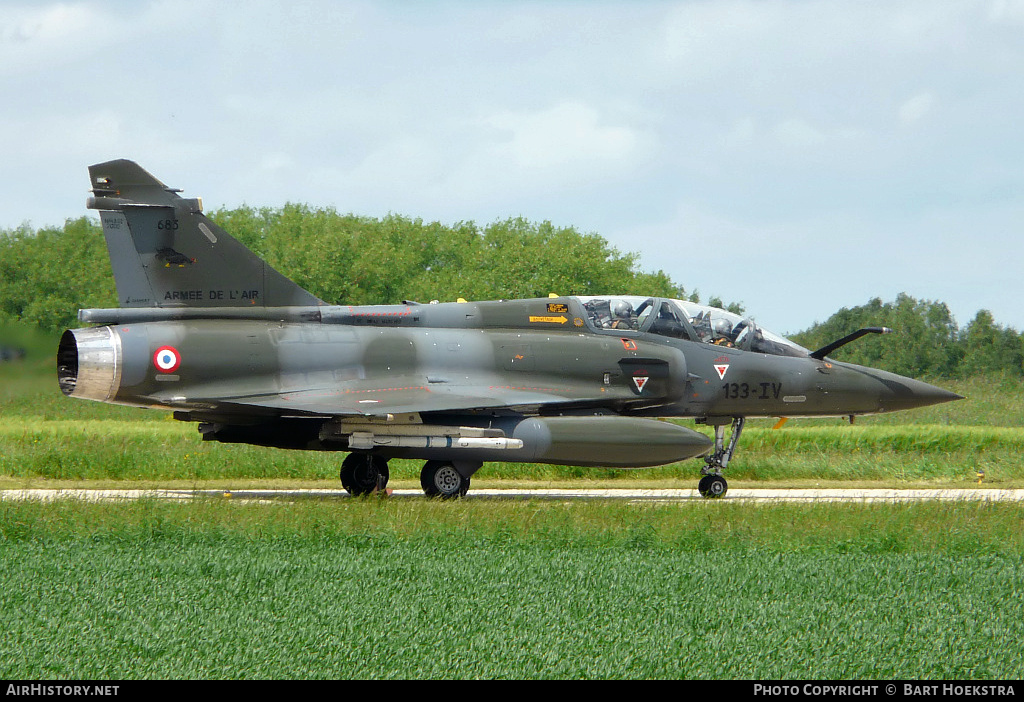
column 713, row 484
column 365, row 474
column 442, row 479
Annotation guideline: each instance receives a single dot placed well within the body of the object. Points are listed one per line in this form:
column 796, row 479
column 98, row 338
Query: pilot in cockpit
column 622, row 316
column 702, row 325
column 723, row 332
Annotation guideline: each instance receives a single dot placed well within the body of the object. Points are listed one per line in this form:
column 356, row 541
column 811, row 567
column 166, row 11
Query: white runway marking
column 664, row 495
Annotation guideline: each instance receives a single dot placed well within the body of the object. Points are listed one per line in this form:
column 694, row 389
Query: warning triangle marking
column 721, row 368
column 640, row 381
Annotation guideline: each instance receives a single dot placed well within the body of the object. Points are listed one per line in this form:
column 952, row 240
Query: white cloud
column 37, row 39
column 779, row 124
column 789, row 274
column 34, row 37
column 47, row 24
column 568, row 135
column 1009, row 11
column 916, row 108
column 798, row 134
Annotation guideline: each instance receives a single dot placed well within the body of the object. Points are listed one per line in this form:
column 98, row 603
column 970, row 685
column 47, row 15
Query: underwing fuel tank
column 613, row 441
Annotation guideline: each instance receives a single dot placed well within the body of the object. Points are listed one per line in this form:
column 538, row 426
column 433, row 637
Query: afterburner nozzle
column 89, row 363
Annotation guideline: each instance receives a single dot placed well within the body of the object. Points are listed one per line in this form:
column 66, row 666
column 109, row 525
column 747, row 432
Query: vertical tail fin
column 166, row 253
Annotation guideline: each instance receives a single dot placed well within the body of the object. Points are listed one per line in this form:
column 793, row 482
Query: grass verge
column 421, row 589
column 165, row 450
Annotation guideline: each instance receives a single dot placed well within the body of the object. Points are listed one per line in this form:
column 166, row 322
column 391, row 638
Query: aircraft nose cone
column 906, row 393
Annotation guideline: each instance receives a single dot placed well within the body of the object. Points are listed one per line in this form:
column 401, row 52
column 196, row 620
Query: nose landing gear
column 713, row 484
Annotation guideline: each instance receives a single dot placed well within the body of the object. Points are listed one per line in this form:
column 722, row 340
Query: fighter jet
column 210, row 331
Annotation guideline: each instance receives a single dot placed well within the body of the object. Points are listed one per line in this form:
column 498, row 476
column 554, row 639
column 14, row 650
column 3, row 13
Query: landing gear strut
column 713, row 484
column 364, row 473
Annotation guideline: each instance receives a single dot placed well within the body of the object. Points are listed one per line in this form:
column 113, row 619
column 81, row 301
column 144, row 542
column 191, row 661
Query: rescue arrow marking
column 550, row 320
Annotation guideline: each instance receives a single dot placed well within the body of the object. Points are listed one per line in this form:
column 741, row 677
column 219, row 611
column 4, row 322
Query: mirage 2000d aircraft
column 210, row 331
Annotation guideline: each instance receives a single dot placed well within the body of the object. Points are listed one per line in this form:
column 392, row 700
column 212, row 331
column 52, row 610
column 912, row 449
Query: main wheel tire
column 712, row 486
column 363, row 474
column 440, row 479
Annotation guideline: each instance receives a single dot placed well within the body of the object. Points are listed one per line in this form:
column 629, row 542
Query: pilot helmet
column 621, row 308
column 722, row 326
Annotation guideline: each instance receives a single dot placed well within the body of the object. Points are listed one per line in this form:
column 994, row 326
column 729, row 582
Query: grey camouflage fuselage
column 209, row 330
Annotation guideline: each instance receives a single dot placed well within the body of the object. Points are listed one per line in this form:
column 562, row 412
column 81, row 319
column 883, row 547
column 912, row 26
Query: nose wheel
column 713, row 484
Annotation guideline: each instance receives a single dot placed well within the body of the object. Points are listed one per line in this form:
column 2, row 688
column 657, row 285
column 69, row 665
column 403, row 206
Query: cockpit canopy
column 685, row 320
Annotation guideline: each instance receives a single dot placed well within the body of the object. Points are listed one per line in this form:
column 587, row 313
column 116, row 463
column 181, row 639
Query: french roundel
column 167, row 359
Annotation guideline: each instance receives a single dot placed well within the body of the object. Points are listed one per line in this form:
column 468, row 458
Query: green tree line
column 927, row 340
column 46, row 275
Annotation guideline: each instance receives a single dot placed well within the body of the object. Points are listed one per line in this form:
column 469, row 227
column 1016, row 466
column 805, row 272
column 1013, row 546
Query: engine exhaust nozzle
column 89, row 363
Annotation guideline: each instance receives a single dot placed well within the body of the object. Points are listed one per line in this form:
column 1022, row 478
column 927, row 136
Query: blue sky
column 797, row 157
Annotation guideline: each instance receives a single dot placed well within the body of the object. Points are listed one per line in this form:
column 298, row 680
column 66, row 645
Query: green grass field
column 419, row 589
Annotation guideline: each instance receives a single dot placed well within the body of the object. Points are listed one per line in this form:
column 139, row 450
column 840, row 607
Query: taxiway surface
column 661, row 495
